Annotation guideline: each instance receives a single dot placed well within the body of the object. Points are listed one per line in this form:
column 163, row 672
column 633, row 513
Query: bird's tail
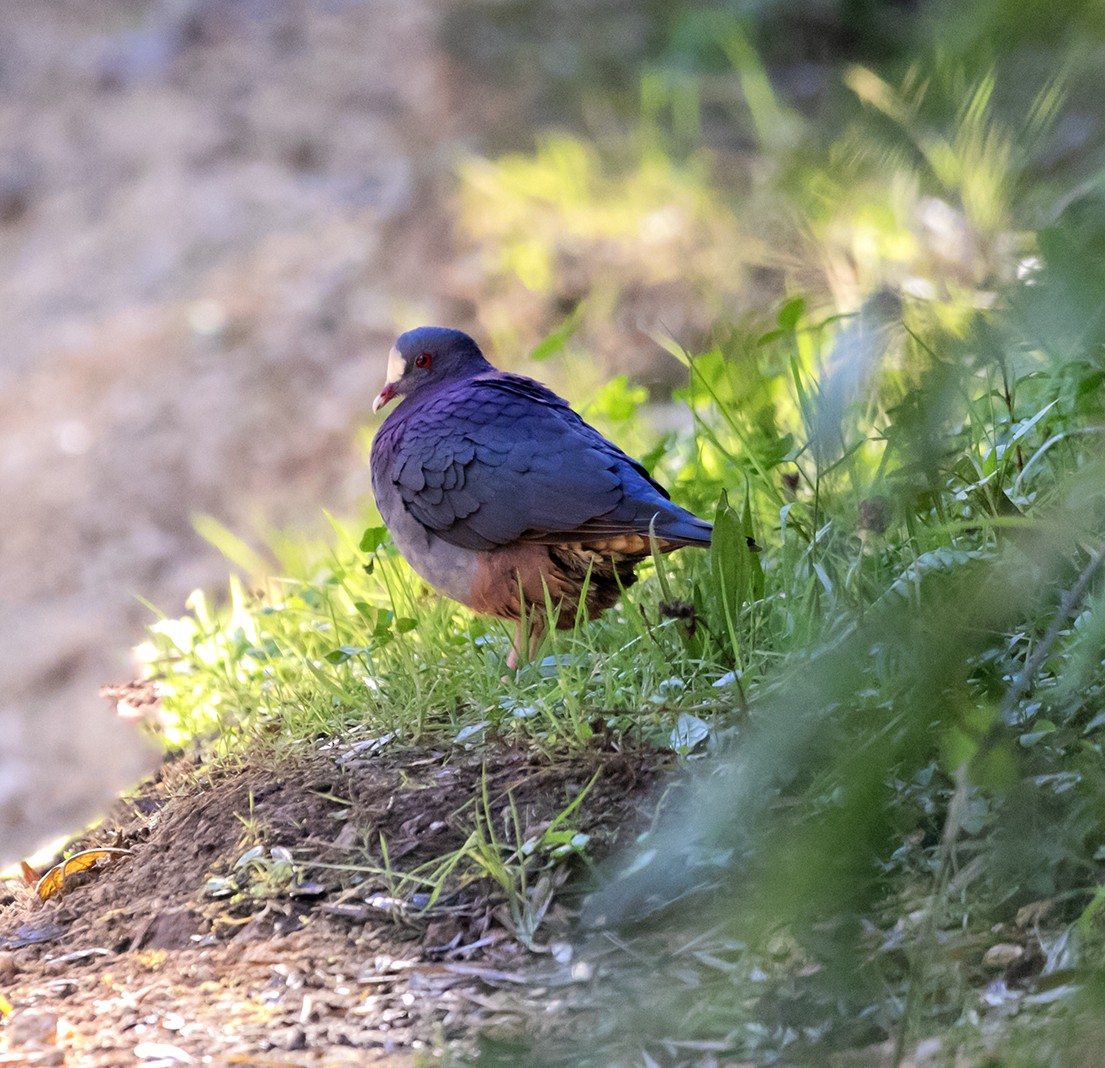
column 680, row 527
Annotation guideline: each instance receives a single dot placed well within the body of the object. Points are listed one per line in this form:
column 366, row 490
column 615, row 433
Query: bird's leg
column 515, row 647
column 536, row 630
column 527, row 637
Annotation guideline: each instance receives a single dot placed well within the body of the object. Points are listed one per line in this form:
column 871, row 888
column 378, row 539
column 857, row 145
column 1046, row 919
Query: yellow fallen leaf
column 53, row 881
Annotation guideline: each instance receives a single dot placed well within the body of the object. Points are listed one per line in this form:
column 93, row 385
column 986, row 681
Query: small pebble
column 34, row 1029
column 1002, row 955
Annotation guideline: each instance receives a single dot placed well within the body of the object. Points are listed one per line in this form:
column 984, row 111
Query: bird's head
column 429, row 355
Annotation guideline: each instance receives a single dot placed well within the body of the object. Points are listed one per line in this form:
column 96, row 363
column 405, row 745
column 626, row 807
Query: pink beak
column 385, row 396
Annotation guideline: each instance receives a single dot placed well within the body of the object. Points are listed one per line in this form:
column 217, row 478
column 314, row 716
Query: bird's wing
column 502, row 458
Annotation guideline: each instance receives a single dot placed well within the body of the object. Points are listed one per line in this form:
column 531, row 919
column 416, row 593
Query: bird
column 503, row 498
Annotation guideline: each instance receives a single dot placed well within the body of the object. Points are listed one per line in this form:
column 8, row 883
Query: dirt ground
column 173, row 951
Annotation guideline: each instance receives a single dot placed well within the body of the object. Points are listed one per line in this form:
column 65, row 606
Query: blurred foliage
column 735, row 183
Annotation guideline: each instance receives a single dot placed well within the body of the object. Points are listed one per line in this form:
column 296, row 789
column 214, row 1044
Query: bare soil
column 144, row 959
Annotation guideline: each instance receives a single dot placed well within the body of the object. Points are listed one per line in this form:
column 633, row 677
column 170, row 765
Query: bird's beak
column 396, row 367
column 383, row 397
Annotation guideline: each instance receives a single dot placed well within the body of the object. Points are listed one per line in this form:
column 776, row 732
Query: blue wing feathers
column 499, row 458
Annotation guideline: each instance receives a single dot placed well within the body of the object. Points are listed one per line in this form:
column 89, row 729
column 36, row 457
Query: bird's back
column 498, row 458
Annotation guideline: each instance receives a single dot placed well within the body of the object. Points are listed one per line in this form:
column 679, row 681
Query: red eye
column 423, row 360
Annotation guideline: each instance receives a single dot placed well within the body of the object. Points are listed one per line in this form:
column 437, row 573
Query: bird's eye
column 423, row 360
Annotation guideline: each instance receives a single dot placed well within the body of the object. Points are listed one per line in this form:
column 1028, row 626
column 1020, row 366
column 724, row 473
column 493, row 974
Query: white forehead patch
column 396, row 366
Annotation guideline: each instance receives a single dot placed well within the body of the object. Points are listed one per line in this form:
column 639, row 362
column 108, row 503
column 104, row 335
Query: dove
column 502, row 498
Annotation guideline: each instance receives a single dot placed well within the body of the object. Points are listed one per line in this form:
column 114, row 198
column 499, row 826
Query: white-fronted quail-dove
column 495, row 491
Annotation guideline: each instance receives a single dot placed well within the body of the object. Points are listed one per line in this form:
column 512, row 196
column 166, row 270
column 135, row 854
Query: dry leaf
column 54, row 880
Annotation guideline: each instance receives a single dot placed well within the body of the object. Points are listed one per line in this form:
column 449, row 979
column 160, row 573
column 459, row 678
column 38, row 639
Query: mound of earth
column 257, row 914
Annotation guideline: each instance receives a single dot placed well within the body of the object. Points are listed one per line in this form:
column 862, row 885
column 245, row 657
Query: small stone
column 1002, row 955
column 1030, row 915
column 35, row 1029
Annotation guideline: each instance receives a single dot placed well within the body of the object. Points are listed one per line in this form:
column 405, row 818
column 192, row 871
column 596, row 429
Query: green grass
column 896, row 707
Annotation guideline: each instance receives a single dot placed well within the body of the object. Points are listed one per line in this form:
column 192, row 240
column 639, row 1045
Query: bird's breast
column 449, row 569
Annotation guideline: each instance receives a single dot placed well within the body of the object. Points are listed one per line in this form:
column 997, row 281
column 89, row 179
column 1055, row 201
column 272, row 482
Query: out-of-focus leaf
column 791, row 312
column 560, row 337
column 689, row 733
column 373, row 538
column 1041, row 729
column 54, row 880
column 735, row 569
